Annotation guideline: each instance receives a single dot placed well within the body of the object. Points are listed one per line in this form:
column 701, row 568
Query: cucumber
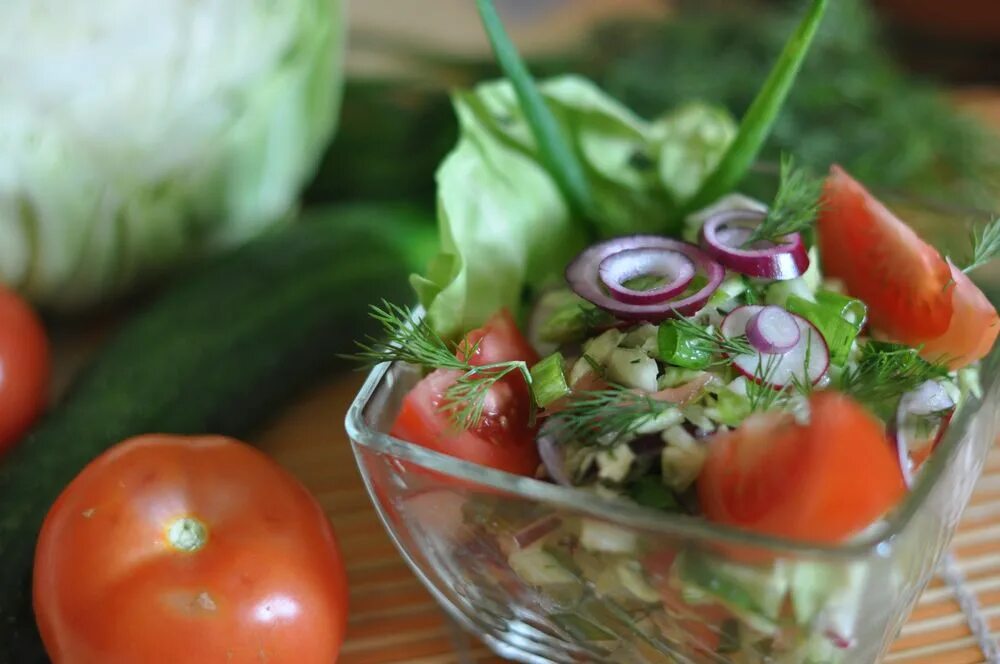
column 216, row 353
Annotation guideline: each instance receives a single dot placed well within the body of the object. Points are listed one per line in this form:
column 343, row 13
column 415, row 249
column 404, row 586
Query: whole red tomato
column 188, row 549
column 24, row 367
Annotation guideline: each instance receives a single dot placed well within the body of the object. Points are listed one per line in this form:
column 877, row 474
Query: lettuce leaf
column 502, row 221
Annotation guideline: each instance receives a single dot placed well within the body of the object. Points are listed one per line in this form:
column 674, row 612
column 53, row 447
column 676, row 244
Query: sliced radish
column 808, row 358
column 773, row 330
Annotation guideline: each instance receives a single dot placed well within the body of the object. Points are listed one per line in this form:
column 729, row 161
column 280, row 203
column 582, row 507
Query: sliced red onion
column 724, row 235
column 838, row 640
column 773, row 330
column 899, row 441
column 536, row 530
column 554, row 459
column 583, row 275
column 622, row 266
column 943, row 427
column 781, row 368
column 929, row 398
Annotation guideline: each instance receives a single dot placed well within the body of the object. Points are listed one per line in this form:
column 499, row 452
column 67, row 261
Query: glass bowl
column 545, row 573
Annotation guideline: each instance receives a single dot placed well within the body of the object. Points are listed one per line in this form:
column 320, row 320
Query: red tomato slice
column 913, row 295
column 503, row 439
column 819, row 482
column 973, row 328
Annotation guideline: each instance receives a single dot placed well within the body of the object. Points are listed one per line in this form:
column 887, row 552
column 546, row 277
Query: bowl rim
column 876, row 541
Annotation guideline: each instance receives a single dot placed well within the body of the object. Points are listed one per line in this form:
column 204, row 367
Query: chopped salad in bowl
column 643, row 417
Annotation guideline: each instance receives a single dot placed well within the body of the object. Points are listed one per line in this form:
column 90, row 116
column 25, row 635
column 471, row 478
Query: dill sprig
column 605, row 417
column 711, row 340
column 885, row 371
column 761, row 392
column 465, row 400
column 406, row 338
column 795, row 206
column 985, row 245
column 409, row 339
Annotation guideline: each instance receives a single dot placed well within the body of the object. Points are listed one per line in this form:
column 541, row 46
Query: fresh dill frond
column 885, row 371
column 795, row 206
column 409, row 339
column 802, row 384
column 605, row 417
column 406, row 339
column 712, row 340
column 761, row 392
column 765, row 395
column 465, row 400
column 985, row 245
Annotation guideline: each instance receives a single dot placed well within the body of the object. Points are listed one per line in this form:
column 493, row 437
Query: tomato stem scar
column 187, row 534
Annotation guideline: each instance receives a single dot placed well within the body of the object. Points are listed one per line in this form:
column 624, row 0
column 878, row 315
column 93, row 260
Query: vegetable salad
column 784, row 368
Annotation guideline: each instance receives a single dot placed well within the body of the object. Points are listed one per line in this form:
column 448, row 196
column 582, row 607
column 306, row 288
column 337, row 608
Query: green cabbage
column 136, row 134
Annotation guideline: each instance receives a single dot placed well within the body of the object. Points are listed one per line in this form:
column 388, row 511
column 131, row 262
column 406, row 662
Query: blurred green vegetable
column 851, row 103
column 137, row 134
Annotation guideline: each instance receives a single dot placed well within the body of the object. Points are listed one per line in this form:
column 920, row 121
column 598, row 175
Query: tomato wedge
column 913, row 294
column 819, row 482
column 503, row 438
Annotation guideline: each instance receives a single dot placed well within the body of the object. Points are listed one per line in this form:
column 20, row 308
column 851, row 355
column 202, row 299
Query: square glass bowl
column 544, row 573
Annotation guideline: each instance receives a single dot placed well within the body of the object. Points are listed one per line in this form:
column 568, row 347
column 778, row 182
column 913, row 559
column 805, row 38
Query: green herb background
column 852, row 104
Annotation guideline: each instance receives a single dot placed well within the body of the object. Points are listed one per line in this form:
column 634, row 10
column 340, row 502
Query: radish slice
column 773, row 330
column 628, row 264
column 807, row 359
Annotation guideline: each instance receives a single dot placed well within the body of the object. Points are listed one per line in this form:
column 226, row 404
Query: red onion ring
column 628, row 264
column 536, row 530
column 553, row 458
column 898, row 441
column 773, row 330
column 584, row 278
column 724, row 234
column 928, row 398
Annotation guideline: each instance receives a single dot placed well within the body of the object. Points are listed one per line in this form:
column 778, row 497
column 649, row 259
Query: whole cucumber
column 217, row 353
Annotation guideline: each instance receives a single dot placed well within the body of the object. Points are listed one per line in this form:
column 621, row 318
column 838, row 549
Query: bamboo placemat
column 394, row 619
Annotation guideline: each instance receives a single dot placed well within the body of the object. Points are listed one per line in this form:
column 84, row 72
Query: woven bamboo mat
column 393, row 619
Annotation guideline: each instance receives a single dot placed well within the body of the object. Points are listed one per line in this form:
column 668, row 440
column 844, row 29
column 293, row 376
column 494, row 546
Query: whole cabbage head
column 135, row 134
